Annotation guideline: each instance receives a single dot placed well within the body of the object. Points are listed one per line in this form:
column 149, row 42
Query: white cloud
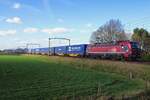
column 60, row 20
column 7, row 32
column 16, row 5
column 31, row 30
column 47, row 30
column 14, row 20
column 89, row 25
column 84, row 31
column 56, row 30
column 89, row 30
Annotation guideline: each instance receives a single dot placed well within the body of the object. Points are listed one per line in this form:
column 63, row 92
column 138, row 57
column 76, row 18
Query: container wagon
column 61, row 51
column 77, row 50
column 44, row 51
column 34, row 51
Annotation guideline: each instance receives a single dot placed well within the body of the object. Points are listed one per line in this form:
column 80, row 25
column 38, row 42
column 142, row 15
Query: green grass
column 40, row 77
column 146, row 58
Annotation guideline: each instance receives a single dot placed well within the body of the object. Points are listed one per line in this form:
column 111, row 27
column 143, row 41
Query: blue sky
column 33, row 21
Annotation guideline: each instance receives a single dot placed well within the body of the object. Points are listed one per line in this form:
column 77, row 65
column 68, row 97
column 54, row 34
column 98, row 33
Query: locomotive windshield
column 135, row 45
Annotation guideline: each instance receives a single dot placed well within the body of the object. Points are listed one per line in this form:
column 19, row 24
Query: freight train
column 117, row 50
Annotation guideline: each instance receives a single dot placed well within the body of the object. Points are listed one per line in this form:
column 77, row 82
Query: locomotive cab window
column 125, row 48
column 135, row 45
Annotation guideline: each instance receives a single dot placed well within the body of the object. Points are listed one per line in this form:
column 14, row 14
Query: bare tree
column 111, row 31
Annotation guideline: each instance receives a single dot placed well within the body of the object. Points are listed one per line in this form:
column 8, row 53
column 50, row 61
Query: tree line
column 113, row 30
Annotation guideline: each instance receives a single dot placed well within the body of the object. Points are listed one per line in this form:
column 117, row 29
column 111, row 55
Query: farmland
column 42, row 77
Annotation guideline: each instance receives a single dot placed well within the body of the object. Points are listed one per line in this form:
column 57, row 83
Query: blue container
column 62, row 50
column 44, row 50
column 31, row 51
column 34, row 51
column 52, row 50
column 77, row 50
column 47, row 50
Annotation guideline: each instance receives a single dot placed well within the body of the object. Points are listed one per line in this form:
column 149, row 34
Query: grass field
column 40, row 77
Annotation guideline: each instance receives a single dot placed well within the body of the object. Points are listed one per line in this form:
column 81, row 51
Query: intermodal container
column 77, row 50
column 62, row 50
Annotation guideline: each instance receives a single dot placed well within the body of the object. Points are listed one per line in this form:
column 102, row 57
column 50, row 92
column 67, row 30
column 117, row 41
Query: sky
column 34, row 21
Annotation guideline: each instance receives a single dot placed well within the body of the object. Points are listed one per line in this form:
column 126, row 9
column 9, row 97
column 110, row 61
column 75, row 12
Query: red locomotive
column 119, row 49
